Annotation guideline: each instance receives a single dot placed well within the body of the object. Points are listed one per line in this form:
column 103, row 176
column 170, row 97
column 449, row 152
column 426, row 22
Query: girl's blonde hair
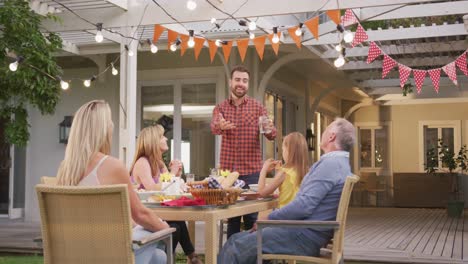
column 148, row 147
column 91, row 132
column 296, row 146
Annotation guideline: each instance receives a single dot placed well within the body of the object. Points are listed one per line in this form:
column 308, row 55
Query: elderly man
column 317, row 200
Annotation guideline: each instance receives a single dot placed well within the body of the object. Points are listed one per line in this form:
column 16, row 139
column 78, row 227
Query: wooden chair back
column 85, row 224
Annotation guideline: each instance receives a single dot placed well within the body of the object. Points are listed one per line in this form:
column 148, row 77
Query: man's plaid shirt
column 240, row 147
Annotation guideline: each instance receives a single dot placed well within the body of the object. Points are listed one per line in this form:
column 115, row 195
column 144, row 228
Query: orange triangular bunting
column 275, row 46
column 171, row 37
column 213, row 49
column 297, row 39
column 335, row 15
column 158, row 30
column 242, row 45
column 227, row 50
column 198, row 46
column 260, row 45
column 312, row 24
column 184, row 44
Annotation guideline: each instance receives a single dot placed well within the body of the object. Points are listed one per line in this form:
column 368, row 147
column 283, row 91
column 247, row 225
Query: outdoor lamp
column 64, row 129
column 310, row 139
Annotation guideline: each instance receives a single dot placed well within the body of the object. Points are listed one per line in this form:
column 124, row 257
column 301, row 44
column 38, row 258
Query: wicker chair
column 90, row 225
column 336, row 248
column 48, row 180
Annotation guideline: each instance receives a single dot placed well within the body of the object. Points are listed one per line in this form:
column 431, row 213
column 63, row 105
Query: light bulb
column 114, row 71
column 251, row 35
column 99, row 38
column 191, row 5
column 213, row 20
column 338, row 47
column 173, row 47
column 348, row 36
column 252, row 26
column 218, row 43
column 191, row 42
column 64, row 85
column 339, row 62
column 298, row 32
column 275, row 38
column 13, row 66
column 130, row 53
column 87, row 83
column 153, row 48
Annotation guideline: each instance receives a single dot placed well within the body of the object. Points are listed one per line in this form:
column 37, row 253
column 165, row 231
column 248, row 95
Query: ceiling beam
column 116, row 17
column 376, row 85
column 409, row 11
column 42, row 8
column 457, row 45
column 70, row 47
column 119, row 3
column 410, row 62
column 398, row 34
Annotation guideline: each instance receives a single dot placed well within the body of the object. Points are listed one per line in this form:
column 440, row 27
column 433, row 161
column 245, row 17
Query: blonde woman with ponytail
column 87, row 163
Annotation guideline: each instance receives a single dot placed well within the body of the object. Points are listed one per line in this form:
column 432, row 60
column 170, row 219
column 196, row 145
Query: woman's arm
column 116, row 173
column 142, row 174
column 263, row 189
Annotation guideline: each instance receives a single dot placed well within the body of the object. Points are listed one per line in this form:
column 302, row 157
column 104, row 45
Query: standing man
column 236, row 119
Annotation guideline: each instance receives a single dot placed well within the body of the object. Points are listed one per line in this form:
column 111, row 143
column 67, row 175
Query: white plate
column 144, row 195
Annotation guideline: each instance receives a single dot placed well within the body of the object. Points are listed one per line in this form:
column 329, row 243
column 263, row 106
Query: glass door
column 187, row 105
column 5, row 165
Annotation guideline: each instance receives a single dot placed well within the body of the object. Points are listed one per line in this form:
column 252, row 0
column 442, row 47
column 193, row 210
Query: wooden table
column 211, row 217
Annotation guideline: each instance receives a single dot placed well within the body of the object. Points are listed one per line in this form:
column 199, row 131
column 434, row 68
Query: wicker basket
column 214, row 196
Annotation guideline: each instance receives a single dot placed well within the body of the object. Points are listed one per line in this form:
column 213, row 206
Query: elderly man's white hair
column 345, row 134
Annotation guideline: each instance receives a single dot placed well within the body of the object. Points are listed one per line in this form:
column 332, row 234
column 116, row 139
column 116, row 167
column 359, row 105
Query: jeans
column 241, row 248
column 150, row 254
column 249, row 219
column 181, row 235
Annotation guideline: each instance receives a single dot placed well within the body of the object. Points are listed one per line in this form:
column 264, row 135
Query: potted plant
column 453, row 165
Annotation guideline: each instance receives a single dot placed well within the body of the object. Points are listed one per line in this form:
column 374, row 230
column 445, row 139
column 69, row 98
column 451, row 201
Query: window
column 274, row 105
column 431, row 131
column 373, row 148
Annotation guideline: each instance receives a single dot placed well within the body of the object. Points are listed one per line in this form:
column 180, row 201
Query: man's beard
column 239, row 94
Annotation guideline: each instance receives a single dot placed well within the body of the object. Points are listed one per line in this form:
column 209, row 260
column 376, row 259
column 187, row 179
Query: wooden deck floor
column 396, row 235
column 406, row 235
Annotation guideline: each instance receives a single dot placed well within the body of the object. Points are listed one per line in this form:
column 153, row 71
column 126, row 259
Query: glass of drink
column 263, row 122
column 189, row 177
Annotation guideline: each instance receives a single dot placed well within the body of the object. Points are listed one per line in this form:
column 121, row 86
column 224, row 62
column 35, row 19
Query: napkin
column 184, row 201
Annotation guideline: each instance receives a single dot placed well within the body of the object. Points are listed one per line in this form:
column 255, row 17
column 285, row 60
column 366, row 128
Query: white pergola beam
column 383, row 84
column 398, row 34
column 116, row 17
column 70, row 47
column 107, row 35
column 411, row 62
column 457, row 45
column 119, row 3
column 423, row 10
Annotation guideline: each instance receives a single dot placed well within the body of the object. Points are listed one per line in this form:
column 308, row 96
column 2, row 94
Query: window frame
column 455, row 124
column 373, row 126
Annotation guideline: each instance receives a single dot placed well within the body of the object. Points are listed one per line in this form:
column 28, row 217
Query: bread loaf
column 229, row 180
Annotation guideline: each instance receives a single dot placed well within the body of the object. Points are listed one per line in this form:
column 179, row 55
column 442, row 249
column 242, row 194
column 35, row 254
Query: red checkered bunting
column 349, row 18
column 435, row 77
column 359, row 36
column 374, row 52
column 461, row 63
column 387, row 65
column 419, row 76
column 451, row 72
column 404, row 74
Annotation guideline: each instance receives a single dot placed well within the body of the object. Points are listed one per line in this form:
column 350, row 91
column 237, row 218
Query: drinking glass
column 263, row 122
column 189, row 177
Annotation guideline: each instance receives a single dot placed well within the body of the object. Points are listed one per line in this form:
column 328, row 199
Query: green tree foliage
column 34, row 83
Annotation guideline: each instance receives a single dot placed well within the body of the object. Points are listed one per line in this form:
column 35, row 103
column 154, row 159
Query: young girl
column 146, row 168
column 288, row 177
